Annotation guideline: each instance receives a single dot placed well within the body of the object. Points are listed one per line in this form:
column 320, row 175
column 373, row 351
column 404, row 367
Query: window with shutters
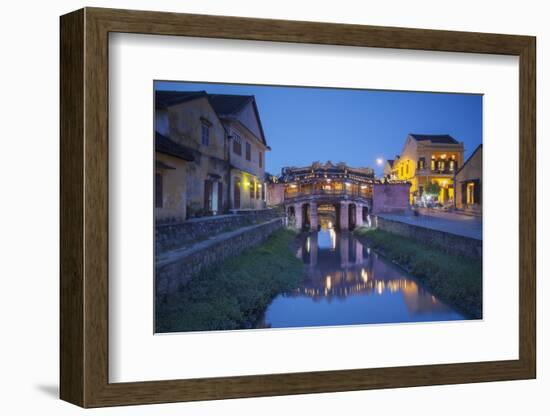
column 261, row 159
column 248, row 151
column 205, row 134
column 158, row 190
column 252, row 189
column 237, row 144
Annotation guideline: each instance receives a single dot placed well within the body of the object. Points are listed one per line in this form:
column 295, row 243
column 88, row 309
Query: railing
column 427, row 171
column 324, row 192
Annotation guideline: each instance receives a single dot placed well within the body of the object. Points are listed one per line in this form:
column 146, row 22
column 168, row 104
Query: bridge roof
column 318, row 171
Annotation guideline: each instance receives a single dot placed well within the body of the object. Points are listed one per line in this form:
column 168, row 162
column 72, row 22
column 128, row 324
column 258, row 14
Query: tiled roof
column 434, row 138
column 169, row 147
column 225, row 104
column 168, row 98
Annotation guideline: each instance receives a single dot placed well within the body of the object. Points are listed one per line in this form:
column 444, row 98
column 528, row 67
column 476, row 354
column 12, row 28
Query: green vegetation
column 432, row 189
column 234, row 294
column 456, row 280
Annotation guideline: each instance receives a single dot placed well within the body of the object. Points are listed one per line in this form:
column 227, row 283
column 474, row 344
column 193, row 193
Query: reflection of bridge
column 347, row 268
column 348, row 190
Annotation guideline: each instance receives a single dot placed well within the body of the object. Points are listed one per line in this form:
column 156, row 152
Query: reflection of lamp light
column 308, row 244
column 364, row 275
column 328, row 282
column 332, row 234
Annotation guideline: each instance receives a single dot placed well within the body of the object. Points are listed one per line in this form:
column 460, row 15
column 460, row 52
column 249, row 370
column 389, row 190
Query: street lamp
column 379, row 161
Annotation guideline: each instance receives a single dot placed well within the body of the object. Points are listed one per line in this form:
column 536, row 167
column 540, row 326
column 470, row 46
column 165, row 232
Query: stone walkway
column 450, row 222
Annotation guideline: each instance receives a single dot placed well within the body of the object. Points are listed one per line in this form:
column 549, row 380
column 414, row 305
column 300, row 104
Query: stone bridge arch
column 350, row 212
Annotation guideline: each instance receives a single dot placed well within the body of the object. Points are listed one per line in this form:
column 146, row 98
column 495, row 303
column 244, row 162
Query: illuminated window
column 452, row 165
column 470, row 187
column 421, row 163
column 432, row 164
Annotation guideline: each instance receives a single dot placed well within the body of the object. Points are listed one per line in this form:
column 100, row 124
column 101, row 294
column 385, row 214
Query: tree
column 432, row 189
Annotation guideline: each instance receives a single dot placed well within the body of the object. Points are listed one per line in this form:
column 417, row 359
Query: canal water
column 347, row 283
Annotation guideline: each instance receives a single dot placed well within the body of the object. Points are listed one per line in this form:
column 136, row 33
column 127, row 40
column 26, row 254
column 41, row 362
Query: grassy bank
column 235, row 293
column 456, row 280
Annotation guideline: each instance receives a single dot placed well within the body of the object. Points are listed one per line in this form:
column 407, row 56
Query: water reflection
column 347, row 283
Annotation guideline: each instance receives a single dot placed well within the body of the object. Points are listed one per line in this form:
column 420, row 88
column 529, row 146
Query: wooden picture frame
column 84, row 207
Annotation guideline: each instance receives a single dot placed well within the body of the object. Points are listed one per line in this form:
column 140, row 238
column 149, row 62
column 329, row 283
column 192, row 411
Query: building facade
column 171, row 163
column 468, row 184
column 247, row 148
column 389, row 171
column 430, row 159
column 206, row 127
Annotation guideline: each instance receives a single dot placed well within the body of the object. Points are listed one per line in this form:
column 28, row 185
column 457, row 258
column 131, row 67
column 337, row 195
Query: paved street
column 450, row 222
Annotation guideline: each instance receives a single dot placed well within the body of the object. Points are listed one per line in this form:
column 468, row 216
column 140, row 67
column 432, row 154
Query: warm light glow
column 444, row 156
column 379, row 161
column 293, row 185
column 348, row 184
column 328, row 282
column 363, row 186
column 332, row 234
column 364, row 275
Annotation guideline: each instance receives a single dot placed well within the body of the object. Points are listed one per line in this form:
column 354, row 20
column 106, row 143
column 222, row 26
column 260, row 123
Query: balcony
column 431, row 172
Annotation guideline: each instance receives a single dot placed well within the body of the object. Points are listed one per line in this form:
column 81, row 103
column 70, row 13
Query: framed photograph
column 255, row 207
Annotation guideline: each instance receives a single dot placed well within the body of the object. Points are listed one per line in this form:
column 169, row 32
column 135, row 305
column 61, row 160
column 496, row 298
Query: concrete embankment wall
column 175, row 268
column 447, row 242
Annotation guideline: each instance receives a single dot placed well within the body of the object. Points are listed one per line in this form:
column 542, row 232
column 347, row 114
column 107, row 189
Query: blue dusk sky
column 303, row 125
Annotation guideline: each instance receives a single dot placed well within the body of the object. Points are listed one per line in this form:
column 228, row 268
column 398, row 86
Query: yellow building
column 247, row 148
column 189, row 121
column 429, row 159
column 468, row 182
column 171, row 163
column 224, row 145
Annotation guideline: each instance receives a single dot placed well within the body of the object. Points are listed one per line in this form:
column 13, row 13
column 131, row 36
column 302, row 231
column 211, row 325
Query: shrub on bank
column 234, row 294
column 456, row 280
